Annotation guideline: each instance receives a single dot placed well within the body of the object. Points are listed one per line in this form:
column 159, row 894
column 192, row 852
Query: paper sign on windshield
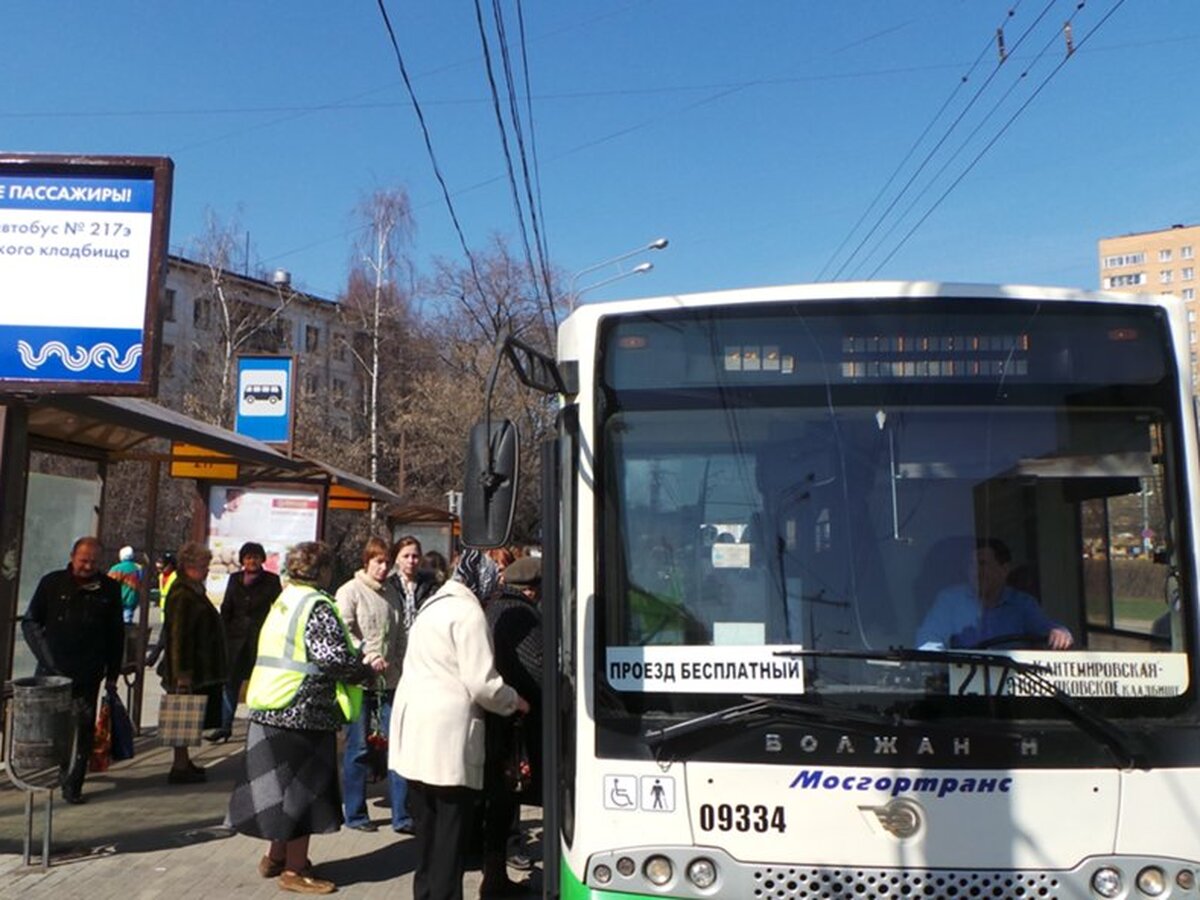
column 714, row 670
column 1078, row 673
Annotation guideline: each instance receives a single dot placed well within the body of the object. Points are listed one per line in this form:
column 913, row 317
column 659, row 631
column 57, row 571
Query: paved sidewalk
column 138, row 837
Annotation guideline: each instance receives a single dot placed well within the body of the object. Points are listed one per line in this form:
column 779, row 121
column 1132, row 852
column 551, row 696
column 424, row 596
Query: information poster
column 277, row 519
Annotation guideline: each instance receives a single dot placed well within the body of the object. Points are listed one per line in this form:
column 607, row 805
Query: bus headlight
column 1107, row 882
column 626, row 866
column 602, row 874
column 1152, row 881
column 1186, row 879
column 658, row 870
column 702, row 872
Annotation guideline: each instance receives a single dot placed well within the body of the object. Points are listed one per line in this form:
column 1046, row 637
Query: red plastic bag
column 102, row 742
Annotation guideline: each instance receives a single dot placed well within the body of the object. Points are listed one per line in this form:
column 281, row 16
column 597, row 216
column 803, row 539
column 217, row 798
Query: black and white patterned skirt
column 290, row 787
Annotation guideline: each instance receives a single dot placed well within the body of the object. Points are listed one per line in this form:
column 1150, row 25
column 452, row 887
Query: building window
column 168, row 305
column 286, row 329
column 1164, row 255
column 339, row 389
column 1165, row 276
column 1188, row 273
column 1185, row 252
column 1124, row 259
column 1117, row 281
column 202, row 313
column 339, row 346
column 312, row 384
column 1189, row 294
column 166, row 367
column 312, row 338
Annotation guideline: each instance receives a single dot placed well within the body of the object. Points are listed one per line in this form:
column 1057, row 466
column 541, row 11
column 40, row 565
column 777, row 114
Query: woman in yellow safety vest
column 304, row 687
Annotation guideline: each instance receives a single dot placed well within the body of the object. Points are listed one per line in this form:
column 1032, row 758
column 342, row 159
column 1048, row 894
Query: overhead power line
column 1045, row 81
column 437, row 171
column 882, row 217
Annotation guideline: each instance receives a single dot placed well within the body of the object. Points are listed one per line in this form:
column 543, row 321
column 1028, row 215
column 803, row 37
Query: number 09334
column 742, row 817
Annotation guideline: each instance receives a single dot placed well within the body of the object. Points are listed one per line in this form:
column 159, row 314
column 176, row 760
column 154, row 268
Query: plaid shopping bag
column 181, row 719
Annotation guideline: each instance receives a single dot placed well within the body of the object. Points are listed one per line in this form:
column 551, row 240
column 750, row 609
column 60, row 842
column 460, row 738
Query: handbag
column 377, row 742
column 518, row 773
column 121, row 727
column 101, row 754
column 181, row 719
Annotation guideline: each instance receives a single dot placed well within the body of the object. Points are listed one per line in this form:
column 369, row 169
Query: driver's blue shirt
column 959, row 619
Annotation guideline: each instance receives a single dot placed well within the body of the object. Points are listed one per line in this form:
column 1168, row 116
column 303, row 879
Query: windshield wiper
column 1106, row 732
column 755, row 705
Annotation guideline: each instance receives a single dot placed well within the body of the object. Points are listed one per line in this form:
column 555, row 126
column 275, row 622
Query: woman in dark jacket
column 248, row 598
column 516, row 625
column 194, row 661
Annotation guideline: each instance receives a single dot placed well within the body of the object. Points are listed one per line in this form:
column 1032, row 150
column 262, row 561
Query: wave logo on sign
column 101, row 356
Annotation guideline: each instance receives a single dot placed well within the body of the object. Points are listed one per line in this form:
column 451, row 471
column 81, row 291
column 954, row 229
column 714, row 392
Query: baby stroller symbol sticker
column 620, row 792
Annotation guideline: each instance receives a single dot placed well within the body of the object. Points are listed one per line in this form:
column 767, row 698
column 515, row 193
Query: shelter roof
column 118, row 428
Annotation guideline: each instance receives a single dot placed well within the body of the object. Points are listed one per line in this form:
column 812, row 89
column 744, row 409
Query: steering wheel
column 1017, row 641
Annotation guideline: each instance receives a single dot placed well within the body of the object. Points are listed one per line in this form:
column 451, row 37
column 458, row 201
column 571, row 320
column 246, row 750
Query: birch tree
column 375, row 303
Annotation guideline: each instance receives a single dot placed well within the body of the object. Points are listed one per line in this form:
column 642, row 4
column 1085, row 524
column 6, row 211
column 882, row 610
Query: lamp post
column 656, row 244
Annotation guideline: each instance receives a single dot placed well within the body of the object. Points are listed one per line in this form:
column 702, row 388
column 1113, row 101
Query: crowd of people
column 439, row 662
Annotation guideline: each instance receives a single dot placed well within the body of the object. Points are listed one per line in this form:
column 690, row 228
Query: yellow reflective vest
column 283, row 657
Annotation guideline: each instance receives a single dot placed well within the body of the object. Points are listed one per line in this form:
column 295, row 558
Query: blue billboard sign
column 82, row 262
column 264, row 398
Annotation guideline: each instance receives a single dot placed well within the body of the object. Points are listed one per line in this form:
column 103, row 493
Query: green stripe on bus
column 571, row 888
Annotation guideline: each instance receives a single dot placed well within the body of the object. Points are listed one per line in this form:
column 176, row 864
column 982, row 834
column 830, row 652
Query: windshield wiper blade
column 755, row 705
column 1106, row 732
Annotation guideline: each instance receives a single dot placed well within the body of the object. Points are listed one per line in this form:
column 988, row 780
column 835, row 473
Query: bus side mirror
column 490, row 484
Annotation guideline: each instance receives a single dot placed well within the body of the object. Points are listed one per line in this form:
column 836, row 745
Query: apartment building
column 308, row 327
column 1156, row 262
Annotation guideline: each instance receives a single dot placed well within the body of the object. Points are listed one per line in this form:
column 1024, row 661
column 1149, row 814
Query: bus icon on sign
column 256, row 393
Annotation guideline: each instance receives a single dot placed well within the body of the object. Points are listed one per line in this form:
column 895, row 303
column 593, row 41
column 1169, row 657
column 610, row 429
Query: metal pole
column 46, row 831
column 135, row 708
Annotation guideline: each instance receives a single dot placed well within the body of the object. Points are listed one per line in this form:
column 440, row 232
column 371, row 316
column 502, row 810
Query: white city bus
column 807, row 549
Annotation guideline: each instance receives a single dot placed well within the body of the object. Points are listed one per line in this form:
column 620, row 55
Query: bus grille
column 803, row 883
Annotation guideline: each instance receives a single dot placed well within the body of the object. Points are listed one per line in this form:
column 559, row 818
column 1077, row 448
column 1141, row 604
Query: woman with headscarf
column 436, row 739
column 302, row 690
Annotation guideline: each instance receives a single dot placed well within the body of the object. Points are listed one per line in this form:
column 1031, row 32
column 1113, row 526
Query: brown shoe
column 305, row 884
column 269, row 868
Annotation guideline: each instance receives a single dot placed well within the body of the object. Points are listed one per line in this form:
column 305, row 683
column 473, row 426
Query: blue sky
column 753, row 135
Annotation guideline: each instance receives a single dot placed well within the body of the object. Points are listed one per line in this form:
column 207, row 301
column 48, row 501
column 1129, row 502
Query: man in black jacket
column 74, row 628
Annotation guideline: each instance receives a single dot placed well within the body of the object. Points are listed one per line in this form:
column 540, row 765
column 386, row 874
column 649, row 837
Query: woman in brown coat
column 194, row 662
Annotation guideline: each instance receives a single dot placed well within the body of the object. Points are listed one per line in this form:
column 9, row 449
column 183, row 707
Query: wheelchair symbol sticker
column 620, row 792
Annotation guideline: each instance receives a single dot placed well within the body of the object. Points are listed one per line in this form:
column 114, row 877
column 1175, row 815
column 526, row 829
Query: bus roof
column 866, row 290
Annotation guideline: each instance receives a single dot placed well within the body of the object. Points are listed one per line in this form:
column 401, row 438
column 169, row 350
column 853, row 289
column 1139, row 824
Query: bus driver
column 977, row 614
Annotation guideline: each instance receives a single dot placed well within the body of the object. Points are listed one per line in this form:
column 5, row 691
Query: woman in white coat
column 436, row 736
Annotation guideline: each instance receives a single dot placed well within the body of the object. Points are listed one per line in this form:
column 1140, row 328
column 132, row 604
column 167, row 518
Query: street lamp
column 656, row 244
column 636, row 270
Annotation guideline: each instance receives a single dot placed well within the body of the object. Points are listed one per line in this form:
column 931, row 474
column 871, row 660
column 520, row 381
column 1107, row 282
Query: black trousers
column 84, row 695
column 441, row 817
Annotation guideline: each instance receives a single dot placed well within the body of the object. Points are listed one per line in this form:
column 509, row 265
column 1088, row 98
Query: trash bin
column 42, row 731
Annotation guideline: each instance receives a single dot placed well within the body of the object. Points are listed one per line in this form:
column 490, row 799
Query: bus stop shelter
column 107, row 430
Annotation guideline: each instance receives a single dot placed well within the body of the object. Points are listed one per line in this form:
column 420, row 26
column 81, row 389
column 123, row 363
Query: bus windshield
column 780, row 484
